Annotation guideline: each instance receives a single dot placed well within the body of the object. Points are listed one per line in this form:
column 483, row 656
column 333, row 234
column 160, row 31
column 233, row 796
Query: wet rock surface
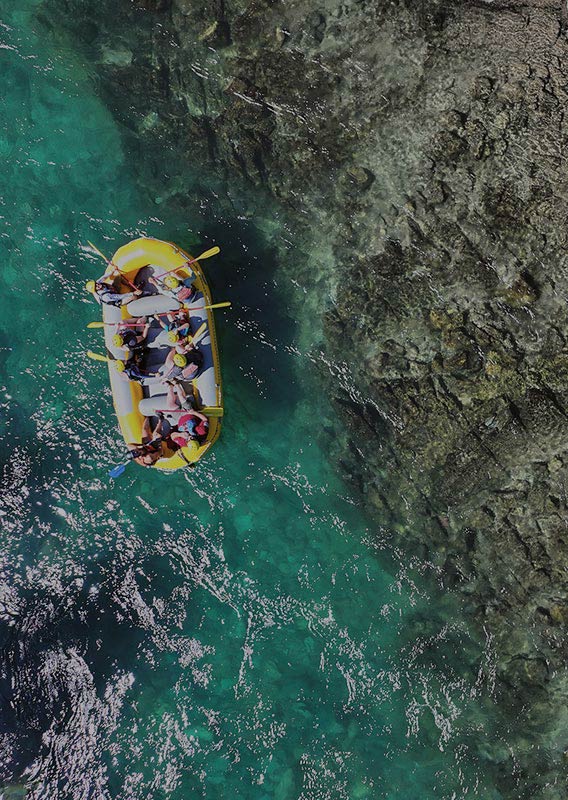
column 419, row 148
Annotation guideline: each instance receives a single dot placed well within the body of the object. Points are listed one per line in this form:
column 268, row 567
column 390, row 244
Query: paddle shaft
column 189, row 262
column 225, row 304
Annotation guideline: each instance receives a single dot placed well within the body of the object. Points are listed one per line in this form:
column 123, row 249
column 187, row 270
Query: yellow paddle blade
column 208, row 253
column 213, row 411
column 96, row 356
column 96, row 249
column 198, row 332
column 96, row 325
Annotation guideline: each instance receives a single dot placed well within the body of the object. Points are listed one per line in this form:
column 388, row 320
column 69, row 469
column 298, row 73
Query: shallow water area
column 238, row 630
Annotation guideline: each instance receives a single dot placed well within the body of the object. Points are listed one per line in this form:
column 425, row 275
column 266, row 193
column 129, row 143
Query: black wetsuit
column 130, row 341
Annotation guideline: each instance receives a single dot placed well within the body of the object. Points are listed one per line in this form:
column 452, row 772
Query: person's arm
column 201, row 416
column 189, row 371
column 168, row 364
column 146, row 430
column 158, row 429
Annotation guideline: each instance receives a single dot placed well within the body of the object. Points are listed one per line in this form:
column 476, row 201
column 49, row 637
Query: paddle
column 209, row 411
column 198, row 332
column 111, row 264
column 193, row 337
column 117, row 471
column 207, row 254
column 225, row 304
column 97, row 356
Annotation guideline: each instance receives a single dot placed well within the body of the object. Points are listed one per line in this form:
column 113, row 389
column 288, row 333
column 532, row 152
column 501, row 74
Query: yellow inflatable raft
column 132, row 401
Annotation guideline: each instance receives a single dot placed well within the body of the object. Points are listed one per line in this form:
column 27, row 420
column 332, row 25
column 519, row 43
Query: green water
column 238, row 631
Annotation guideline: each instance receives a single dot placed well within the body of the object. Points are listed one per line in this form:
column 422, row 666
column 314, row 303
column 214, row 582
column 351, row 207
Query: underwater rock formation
column 420, row 148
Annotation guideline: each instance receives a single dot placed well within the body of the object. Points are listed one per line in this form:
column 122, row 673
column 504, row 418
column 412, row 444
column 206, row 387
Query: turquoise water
column 238, row 631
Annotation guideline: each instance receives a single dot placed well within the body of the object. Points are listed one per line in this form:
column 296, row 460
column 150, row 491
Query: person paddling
column 131, row 341
column 131, row 370
column 152, row 446
column 191, row 426
column 181, row 366
column 105, row 291
column 176, row 322
column 181, row 289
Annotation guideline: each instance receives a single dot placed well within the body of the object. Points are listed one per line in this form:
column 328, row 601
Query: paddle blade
column 96, row 325
column 96, row 356
column 208, row 253
column 212, row 411
column 199, row 332
column 97, row 251
column 117, row 471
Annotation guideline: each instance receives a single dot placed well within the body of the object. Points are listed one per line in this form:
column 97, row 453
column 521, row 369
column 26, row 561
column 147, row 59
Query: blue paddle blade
column 116, row 471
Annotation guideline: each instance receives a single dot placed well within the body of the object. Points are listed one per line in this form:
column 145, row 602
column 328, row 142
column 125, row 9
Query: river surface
column 241, row 630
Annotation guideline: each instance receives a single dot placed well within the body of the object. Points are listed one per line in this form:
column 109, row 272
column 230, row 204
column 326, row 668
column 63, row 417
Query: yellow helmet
column 173, row 337
column 180, row 360
column 120, row 366
column 90, row 286
column 171, row 281
column 192, row 446
column 117, row 340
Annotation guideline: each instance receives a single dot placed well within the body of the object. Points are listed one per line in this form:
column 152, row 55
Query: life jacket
column 193, row 357
column 132, row 371
column 130, row 342
column 109, row 297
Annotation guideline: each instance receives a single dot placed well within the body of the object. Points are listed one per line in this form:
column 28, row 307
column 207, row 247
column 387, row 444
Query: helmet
column 120, row 366
column 180, row 360
column 90, row 286
column 171, row 281
column 192, row 446
column 173, row 336
column 117, row 340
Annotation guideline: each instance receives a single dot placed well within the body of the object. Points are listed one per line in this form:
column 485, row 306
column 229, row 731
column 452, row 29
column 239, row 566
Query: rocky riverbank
column 417, row 149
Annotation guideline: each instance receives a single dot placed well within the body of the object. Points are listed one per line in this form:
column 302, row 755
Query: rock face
column 420, row 145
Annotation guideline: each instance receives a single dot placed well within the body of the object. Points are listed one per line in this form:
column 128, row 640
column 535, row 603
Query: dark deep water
column 239, row 631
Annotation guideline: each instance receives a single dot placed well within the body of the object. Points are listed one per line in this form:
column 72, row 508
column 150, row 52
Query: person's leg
column 181, row 395
column 185, row 401
column 171, row 400
column 169, row 362
column 190, row 372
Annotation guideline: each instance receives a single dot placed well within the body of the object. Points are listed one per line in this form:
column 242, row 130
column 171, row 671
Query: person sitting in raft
column 181, row 289
column 191, row 426
column 181, row 366
column 153, row 445
column 132, row 371
column 131, row 341
column 175, row 322
column 177, row 399
column 106, row 292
